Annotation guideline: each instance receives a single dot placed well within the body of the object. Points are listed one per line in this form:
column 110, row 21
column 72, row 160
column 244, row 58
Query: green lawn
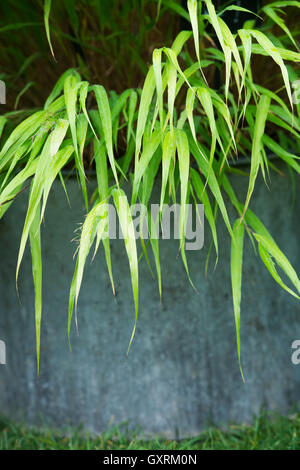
column 267, row 432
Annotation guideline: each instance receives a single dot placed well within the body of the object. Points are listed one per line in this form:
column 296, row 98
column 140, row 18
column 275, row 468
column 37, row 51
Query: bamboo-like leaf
column 212, row 15
column 259, row 129
column 156, row 57
column 286, row 54
column 168, row 151
column 47, row 8
column 3, row 121
column 212, row 182
column 202, row 195
column 189, row 107
column 193, row 12
column 237, row 8
column 72, row 296
column 228, row 61
column 102, row 179
column 50, row 149
column 22, row 92
column 94, row 225
column 59, row 86
column 283, row 4
column 229, row 41
column 236, row 280
column 57, row 162
column 105, row 116
column 268, row 262
column 82, row 97
column 206, row 101
column 288, row 157
column 71, row 87
column 70, row 92
column 81, row 132
column 273, row 52
column 127, row 227
column 35, row 245
column 270, row 246
column 192, row 9
column 173, row 5
column 183, row 151
column 270, row 11
column 15, row 185
column 148, row 183
column 223, row 110
column 246, row 39
column 144, row 161
column 20, row 134
column 131, row 110
column 20, row 152
column 172, row 77
column 146, row 98
column 263, row 236
column 179, row 42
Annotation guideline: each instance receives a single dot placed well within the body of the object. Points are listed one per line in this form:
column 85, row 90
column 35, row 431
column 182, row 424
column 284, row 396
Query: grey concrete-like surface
column 182, row 370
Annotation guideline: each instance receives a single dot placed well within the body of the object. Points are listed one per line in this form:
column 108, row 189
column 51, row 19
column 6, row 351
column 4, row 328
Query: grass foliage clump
column 267, row 432
column 177, row 124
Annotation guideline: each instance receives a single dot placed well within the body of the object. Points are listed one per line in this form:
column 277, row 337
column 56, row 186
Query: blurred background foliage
column 110, row 42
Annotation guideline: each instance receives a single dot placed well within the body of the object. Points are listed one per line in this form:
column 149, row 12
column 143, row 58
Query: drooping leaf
column 268, row 262
column 237, row 245
column 47, row 8
column 259, row 128
column 105, row 116
column 127, row 227
column 36, row 256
